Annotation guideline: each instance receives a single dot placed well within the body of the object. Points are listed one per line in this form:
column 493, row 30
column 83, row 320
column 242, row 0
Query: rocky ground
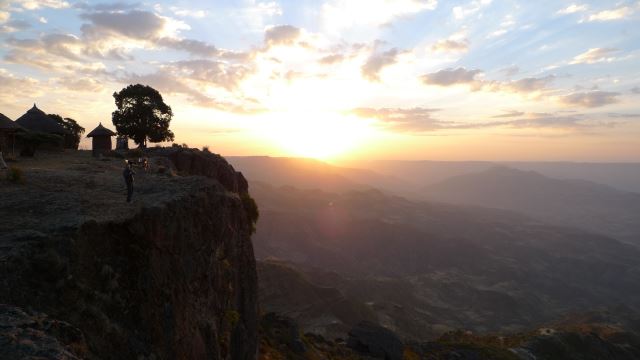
column 67, row 189
column 169, row 276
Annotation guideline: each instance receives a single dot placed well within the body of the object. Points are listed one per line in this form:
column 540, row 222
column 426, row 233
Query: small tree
column 72, row 139
column 142, row 115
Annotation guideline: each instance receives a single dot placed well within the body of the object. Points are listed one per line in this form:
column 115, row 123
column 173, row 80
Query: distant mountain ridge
column 308, row 173
column 425, row 268
column 594, row 207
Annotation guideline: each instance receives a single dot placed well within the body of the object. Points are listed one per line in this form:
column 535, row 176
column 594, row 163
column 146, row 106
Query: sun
column 321, row 135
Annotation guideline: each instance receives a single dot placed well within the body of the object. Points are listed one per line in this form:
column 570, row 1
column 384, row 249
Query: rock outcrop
column 172, row 276
column 35, row 336
column 376, row 341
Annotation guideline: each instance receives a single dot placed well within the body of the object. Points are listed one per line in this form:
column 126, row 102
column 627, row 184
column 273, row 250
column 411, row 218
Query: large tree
column 74, row 131
column 142, row 115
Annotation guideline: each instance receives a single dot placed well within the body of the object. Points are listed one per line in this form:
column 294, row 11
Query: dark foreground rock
column 171, row 276
column 376, row 341
column 29, row 336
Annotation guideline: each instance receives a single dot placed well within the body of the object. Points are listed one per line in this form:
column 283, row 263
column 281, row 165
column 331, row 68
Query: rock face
column 375, row 341
column 171, row 278
column 29, row 336
column 196, row 162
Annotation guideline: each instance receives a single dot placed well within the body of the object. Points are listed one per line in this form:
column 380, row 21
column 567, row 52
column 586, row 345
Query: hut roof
column 8, row 124
column 101, row 131
column 36, row 120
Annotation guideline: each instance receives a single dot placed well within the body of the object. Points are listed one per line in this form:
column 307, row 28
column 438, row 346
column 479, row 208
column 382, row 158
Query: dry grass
column 67, row 189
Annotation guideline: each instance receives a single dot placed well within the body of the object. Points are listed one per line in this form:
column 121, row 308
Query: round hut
column 101, row 140
column 8, row 130
column 36, row 120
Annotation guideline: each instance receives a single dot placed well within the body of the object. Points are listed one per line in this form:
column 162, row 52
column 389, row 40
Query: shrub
column 231, row 317
column 135, row 153
column 251, row 209
column 206, row 149
column 32, row 141
column 15, row 175
column 185, row 146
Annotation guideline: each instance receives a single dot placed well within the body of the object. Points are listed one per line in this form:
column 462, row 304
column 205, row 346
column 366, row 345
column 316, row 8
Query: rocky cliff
column 171, row 276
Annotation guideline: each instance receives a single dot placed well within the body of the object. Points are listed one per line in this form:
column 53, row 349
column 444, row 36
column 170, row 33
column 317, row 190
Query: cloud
column 510, row 70
column 448, row 77
column 506, row 25
column 595, row 55
column 331, row 59
column 14, row 26
column 135, row 24
column 340, row 15
column 613, row 14
column 115, row 6
column 528, row 85
column 411, row 120
column 167, row 83
column 462, row 12
column 210, row 72
column 420, row 120
column 37, row 4
column 82, row 84
column 195, row 47
column 197, row 14
column 572, row 9
column 590, row 99
column 376, row 62
column 16, row 89
column 635, row 90
column 281, row 35
column 449, row 45
column 509, row 113
column 4, row 16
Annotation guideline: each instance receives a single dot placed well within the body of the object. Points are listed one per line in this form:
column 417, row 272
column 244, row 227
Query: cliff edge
column 170, row 276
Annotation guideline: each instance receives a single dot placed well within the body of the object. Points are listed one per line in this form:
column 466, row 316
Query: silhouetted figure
column 128, row 179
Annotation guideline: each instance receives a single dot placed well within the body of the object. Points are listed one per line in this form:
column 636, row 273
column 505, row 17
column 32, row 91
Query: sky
column 343, row 80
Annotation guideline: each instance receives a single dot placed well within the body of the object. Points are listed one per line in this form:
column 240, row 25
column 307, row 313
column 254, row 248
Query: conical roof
column 101, row 131
column 36, row 120
column 8, row 124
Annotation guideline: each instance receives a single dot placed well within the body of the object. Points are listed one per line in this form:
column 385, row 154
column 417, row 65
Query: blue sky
column 410, row 79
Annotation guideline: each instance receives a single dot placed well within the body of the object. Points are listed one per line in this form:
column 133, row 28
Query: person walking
column 128, row 179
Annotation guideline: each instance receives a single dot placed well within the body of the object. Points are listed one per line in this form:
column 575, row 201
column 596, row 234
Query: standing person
column 128, row 179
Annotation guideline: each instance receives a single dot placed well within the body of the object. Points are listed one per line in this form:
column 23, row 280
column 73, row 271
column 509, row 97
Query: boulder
column 376, row 341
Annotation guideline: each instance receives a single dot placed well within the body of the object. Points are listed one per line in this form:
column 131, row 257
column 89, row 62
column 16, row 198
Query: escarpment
column 171, row 276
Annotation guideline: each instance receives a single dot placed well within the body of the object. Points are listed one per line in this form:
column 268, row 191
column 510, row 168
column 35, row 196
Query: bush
column 15, row 175
column 206, row 149
column 32, row 141
column 251, row 209
column 135, row 153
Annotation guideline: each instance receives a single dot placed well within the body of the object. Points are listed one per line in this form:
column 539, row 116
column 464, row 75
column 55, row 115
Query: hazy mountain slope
column 623, row 176
column 424, row 268
column 583, row 204
column 319, row 309
column 312, row 174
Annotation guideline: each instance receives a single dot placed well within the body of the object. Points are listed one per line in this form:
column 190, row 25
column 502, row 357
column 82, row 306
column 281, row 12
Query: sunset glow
column 411, row 79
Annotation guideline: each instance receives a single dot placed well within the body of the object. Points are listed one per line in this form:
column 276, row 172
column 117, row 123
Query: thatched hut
column 37, row 121
column 8, row 130
column 43, row 132
column 101, row 142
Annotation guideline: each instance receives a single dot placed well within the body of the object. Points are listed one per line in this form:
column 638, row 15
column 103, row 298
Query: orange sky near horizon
column 344, row 80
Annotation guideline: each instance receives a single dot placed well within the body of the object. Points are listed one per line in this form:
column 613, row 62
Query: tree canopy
column 142, row 115
column 72, row 139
